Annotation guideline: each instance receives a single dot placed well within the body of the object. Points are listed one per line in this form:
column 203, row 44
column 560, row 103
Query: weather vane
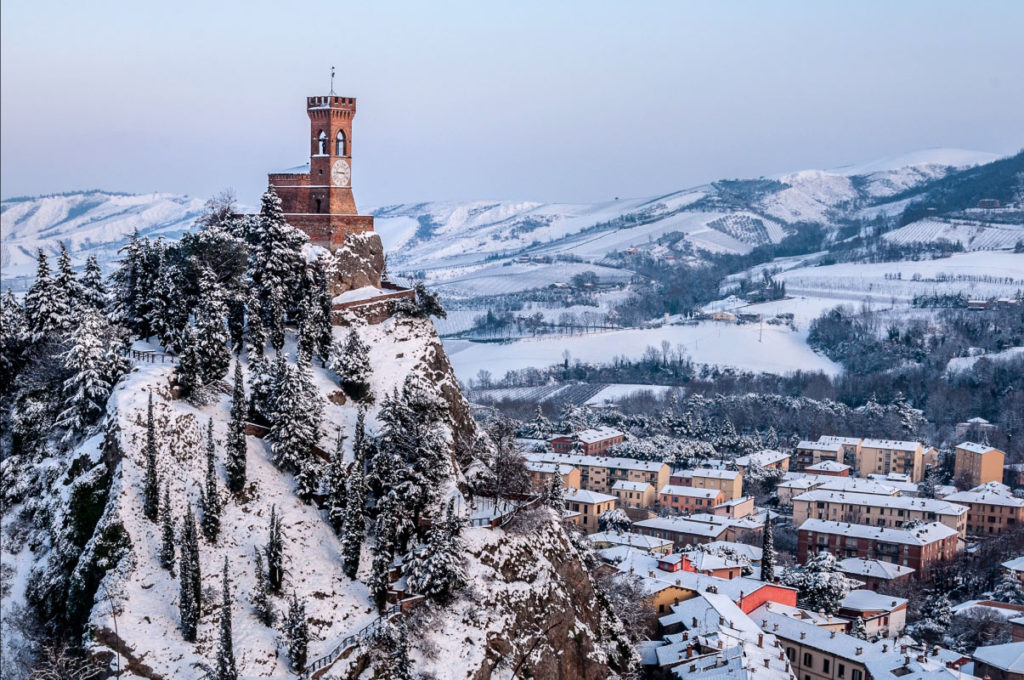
column 332, row 80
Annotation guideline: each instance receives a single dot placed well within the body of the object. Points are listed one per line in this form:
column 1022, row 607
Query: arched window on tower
column 339, row 144
column 321, row 143
column 318, row 205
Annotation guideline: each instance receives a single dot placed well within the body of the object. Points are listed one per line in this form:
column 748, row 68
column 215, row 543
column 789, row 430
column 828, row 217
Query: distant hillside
column 462, row 246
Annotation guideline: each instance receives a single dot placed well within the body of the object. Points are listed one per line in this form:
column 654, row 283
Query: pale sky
column 548, row 101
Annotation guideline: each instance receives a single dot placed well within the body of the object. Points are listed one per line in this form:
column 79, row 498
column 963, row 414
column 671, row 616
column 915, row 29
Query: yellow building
column 885, row 456
column 991, row 509
column 540, row 475
column 600, row 473
column 729, row 482
column 634, row 494
column 878, row 511
column 977, row 464
column 585, row 507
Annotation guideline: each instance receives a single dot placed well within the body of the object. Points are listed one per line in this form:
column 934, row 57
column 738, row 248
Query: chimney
column 921, row 658
column 651, row 574
column 760, row 639
column 689, row 651
column 833, row 634
column 721, row 620
column 782, row 656
column 935, row 650
column 860, row 650
column 885, row 648
column 694, row 622
column 803, row 634
column 766, row 663
column 719, row 644
column 775, row 627
column 693, row 668
column 903, row 649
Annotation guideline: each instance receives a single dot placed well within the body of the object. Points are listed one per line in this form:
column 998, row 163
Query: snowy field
column 972, row 235
column 780, row 350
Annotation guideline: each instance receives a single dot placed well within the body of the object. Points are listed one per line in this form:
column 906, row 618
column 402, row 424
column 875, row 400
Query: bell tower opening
column 321, row 144
column 339, row 144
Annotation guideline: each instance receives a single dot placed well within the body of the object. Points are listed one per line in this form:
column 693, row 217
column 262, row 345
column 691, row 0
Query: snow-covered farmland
column 972, row 235
column 774, row 349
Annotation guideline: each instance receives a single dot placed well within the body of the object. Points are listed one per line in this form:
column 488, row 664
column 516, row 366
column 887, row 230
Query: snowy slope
column 93, row 222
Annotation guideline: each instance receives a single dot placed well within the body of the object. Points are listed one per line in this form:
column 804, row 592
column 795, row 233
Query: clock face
column 340, row 173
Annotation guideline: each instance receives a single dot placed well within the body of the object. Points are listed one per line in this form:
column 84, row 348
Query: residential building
column 682, row 531
column 883, row 456
column 919, row 548
column 875, row 510
column 992, row 509
column 634, row 494
column 829, row 468
column 590, row 505
column 687, row 499
column 729, row 482
column 797, row 483
column 767, row 459
column 735, row 509
column 593, row 442
column 977, row 464
column 874, row 574
column 541, row 473
column 835, row 449
column 1015, row 567
column 599, row 473
column 1000, row 662
column 975, row 427
column 883, row 615
column 650, row 544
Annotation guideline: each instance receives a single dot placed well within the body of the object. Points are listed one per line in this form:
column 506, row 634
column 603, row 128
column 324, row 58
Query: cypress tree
column 211, row 335
column 85, row 392
column 437, row 571
column 296, row 629
column 307, row 331
column 167, row 533
column 274, row 551
column 151, row 489
column 768, row 552
column 383, row 552
column 257, row 333
column 352, row 540
column 275, row 313
column 190, row 596
column 337, row 491
column 236, row 324
column 226, row 669
column 168, row 309
column 209, row 500
column 324, row 303
column 261, row 595
column 556, row 493
column 392, row 658
column 189, row 374
column 235, row 445
column 42, row 308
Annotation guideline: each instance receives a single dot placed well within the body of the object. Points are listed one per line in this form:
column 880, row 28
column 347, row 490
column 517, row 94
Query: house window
column 791, row 653
column 825, row 665
column 808, row 660
column 841, row 670
column 856, row 674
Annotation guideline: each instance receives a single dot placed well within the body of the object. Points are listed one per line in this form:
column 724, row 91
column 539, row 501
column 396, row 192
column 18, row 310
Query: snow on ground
column 496, row 279
column 858, row 281
column 972, row 235
column 779, row 350
column 962, row 364
column 614, row 393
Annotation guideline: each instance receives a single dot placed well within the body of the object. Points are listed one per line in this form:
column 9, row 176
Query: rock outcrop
column 357, row 263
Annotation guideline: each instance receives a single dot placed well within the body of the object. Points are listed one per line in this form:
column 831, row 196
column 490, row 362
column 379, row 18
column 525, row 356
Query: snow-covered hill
column 453, row 241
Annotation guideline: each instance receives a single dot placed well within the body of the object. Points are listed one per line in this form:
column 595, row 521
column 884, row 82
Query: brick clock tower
column 317, row 198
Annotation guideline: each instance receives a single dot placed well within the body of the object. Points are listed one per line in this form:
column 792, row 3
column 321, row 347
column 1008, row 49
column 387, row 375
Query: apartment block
column 600, row 473
column 729, row 482
column 992, row 509
column 977, row 464
column 919, row 548
column 880, row 511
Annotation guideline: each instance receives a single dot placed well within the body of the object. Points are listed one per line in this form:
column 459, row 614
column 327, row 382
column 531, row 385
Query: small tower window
column 321, row 143
column 318, row 205
column 340, row 144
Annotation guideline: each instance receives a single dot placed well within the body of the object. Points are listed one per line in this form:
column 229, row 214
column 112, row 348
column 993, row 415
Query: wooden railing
column 150, row 355
column 349, row 641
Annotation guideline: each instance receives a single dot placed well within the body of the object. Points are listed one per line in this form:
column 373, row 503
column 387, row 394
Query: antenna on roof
column 332, row 80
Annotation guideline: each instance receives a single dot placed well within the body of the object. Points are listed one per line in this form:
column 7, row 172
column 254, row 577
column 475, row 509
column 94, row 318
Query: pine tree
column 256, row 332
column 189, row 374
column 261, row 595
column 337, row 486
column 189, row 597
column 133, row 280
column 236, row 445
column 211, row 335
column 351, row 362
column 438, row 571
column 276, row 266
column 226, row 669
column 209, row 499
column 94, row 291
column 556, row 494
column 167, row 533
column 391, row 647
column 12, row 339
column 151, row 489
column 296, row 630
column 85, row 392
column 42, row 304
column 324, row 304
column 261, row 386
column 274, row 551
column 68, row 290
column 307, row 329
column 274, row 315
column 859, row 630
column 236, row 324
column 295, row 428
column 168, row 309
column 352, row 541
column 768, row 552
column 1009, row 589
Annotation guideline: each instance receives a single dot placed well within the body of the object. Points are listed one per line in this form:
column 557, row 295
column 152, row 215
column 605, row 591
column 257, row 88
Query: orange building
column 978, row 464
column 688, row 499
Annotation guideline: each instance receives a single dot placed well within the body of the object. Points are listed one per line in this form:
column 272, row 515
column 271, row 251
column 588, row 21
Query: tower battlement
column 331, row 102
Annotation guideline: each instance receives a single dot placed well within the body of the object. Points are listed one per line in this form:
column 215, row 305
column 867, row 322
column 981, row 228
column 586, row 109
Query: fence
column 150, row 355
column 350, row 641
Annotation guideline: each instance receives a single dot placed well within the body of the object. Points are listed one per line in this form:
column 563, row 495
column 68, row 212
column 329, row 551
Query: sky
column 546, row 101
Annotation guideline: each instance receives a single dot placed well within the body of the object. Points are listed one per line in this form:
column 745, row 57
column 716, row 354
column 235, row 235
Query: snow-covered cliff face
column 83, row 513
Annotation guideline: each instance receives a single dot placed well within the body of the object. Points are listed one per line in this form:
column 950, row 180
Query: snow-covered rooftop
column 1008, row 657
column 1016, row 564
column 766, row 457
column 873, row 568
column 894, row 444
column 599, row 461
column 623, row 485
column 976, row 448
column 922, row 535
column 870, row 601
column 689, row 491
column 593, row 435
column 683, row 526
column 629, row 538
column 828, row 466
column 584, row 496
column 939, row 507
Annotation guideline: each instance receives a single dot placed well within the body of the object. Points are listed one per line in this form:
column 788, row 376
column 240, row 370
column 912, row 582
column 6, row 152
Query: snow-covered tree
column 151, row 485
column 573, row 418
column 438, row 570
column 94, row 290
column 189, row 579
column 85, row 392
column 255, row 331
column 132, row 282
column 44, row 314
column 540, row 426
column 1009, row 589
column 337, row 486
column 390, row 652
column 276, row 267
column 821, row 586
column 352, row 540
column 189, row 373
column 936, row 615
column 351, row 362
column 768, row 552
column 386, row 531
column 556, row 494
column 261, row 386
column 168, row 306
column 261, row 593
column 211, row 335
column 296, row 631
column 209, row 499
column 615, row 519
column 295, row 421
column 428, row 304
column 235, row 446
column 323, row 304
column 167, row 533
column 226, row 669
column 274, row 551
column 859, row 630
column 68, row 289
column 12, row 339
column 307, row 331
